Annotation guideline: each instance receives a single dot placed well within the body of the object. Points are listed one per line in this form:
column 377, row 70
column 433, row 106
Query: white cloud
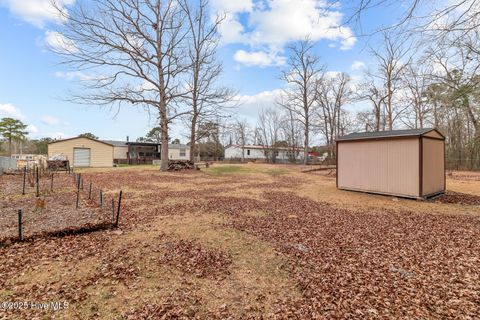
column 31, row 129
column 74, row 75
column 358, row 65
column 270, row 24
column 57, row 42
column 10, row 111
column 50, row 120
column 36, row 12
column 258, row 58
column 250, row 105
column 233, row 6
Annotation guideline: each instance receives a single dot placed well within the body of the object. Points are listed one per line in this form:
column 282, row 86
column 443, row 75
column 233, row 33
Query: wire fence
column 37, row 203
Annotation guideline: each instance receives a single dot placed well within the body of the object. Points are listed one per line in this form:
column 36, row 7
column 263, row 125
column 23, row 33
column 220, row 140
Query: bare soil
column 257, row 241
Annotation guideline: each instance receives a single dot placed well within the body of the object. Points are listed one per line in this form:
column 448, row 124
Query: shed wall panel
column 433, row 166
column 101, row 154
column 382, row 166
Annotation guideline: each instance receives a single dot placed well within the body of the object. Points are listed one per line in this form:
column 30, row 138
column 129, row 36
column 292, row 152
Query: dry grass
column 257, row 278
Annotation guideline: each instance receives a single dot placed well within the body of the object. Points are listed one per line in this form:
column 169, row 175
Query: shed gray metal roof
column 387, row 134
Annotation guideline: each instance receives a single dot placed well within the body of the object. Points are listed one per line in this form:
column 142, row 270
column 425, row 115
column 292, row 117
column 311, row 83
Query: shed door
column 81, row 157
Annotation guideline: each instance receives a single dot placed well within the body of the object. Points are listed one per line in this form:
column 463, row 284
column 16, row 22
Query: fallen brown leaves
column 459, row 198
column 346, row 263
column 378, row 264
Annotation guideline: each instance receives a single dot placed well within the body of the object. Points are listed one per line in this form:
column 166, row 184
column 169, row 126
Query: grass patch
column 227, row 169
column 246, row 169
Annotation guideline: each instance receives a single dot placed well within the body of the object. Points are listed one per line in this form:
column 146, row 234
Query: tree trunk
column 164, row 127
column 305, row 152
column 10, row 146
column 193, row 138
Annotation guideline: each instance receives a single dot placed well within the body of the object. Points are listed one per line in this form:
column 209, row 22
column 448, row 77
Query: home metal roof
column 387, row 134
column 116, row 143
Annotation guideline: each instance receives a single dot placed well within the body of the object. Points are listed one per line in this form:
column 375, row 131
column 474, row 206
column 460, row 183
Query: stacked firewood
column 176, row 165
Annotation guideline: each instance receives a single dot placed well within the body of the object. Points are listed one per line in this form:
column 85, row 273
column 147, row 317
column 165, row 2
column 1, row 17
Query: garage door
column 81, row 157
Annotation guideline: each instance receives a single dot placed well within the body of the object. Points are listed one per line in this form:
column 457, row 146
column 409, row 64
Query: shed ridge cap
column 364, row 135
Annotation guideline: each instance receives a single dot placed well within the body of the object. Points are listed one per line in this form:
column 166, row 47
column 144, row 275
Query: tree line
column 162, row 55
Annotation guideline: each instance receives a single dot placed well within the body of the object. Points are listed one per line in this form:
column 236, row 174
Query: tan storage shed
column 83, row 152
column 404, row 163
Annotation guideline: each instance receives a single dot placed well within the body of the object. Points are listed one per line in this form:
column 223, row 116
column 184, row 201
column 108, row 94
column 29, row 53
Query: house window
column 248, row 152
column 183, row 152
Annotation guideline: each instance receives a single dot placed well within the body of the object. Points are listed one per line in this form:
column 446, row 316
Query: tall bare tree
column 136, row 49
column 333, row 93
column 303, row 71
column 392, row 60
column 206, row 98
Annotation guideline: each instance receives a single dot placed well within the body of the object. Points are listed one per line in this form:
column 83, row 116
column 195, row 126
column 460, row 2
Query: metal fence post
column 24, row 178
column 78, row 198
column 118, row 209
column 90, row 192
column 51, row 183
column 113, row 209
column 38, row 187
column 20, row 236
column 101, row 198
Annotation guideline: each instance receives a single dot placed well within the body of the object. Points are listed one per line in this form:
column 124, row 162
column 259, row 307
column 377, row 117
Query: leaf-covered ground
column 57, row 210
column 256, row 242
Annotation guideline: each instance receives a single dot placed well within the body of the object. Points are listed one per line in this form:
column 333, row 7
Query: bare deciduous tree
column 268, row 132
column 137, row 50
column 241, row 131
column 303, row 71
column 205, row 98
column 391, row 63
column 333, row 93
column 292, row 132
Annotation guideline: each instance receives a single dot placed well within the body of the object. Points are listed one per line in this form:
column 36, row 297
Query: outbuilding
column 83, row 152
column 404, row 163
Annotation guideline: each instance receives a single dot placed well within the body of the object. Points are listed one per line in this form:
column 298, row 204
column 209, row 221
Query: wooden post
column 118, row 208
column 20, row 235
column 113, row 209
column 38, row 187
column 24, row 179
column 90, row 192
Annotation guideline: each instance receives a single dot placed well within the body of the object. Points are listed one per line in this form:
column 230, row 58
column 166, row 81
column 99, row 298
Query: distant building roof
column 387, row 134
column 116, row 143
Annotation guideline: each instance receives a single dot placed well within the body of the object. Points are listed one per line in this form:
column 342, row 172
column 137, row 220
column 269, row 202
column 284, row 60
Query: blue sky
column 34, row 87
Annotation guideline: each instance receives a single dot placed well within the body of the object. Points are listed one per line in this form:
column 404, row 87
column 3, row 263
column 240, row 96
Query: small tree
column 88, row 135
column 154, row 135
column 12, row 129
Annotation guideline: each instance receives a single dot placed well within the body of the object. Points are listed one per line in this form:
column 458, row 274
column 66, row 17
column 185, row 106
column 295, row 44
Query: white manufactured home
column 254, row 152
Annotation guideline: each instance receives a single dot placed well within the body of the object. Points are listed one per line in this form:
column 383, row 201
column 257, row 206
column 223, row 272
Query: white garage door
column 81, row 157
